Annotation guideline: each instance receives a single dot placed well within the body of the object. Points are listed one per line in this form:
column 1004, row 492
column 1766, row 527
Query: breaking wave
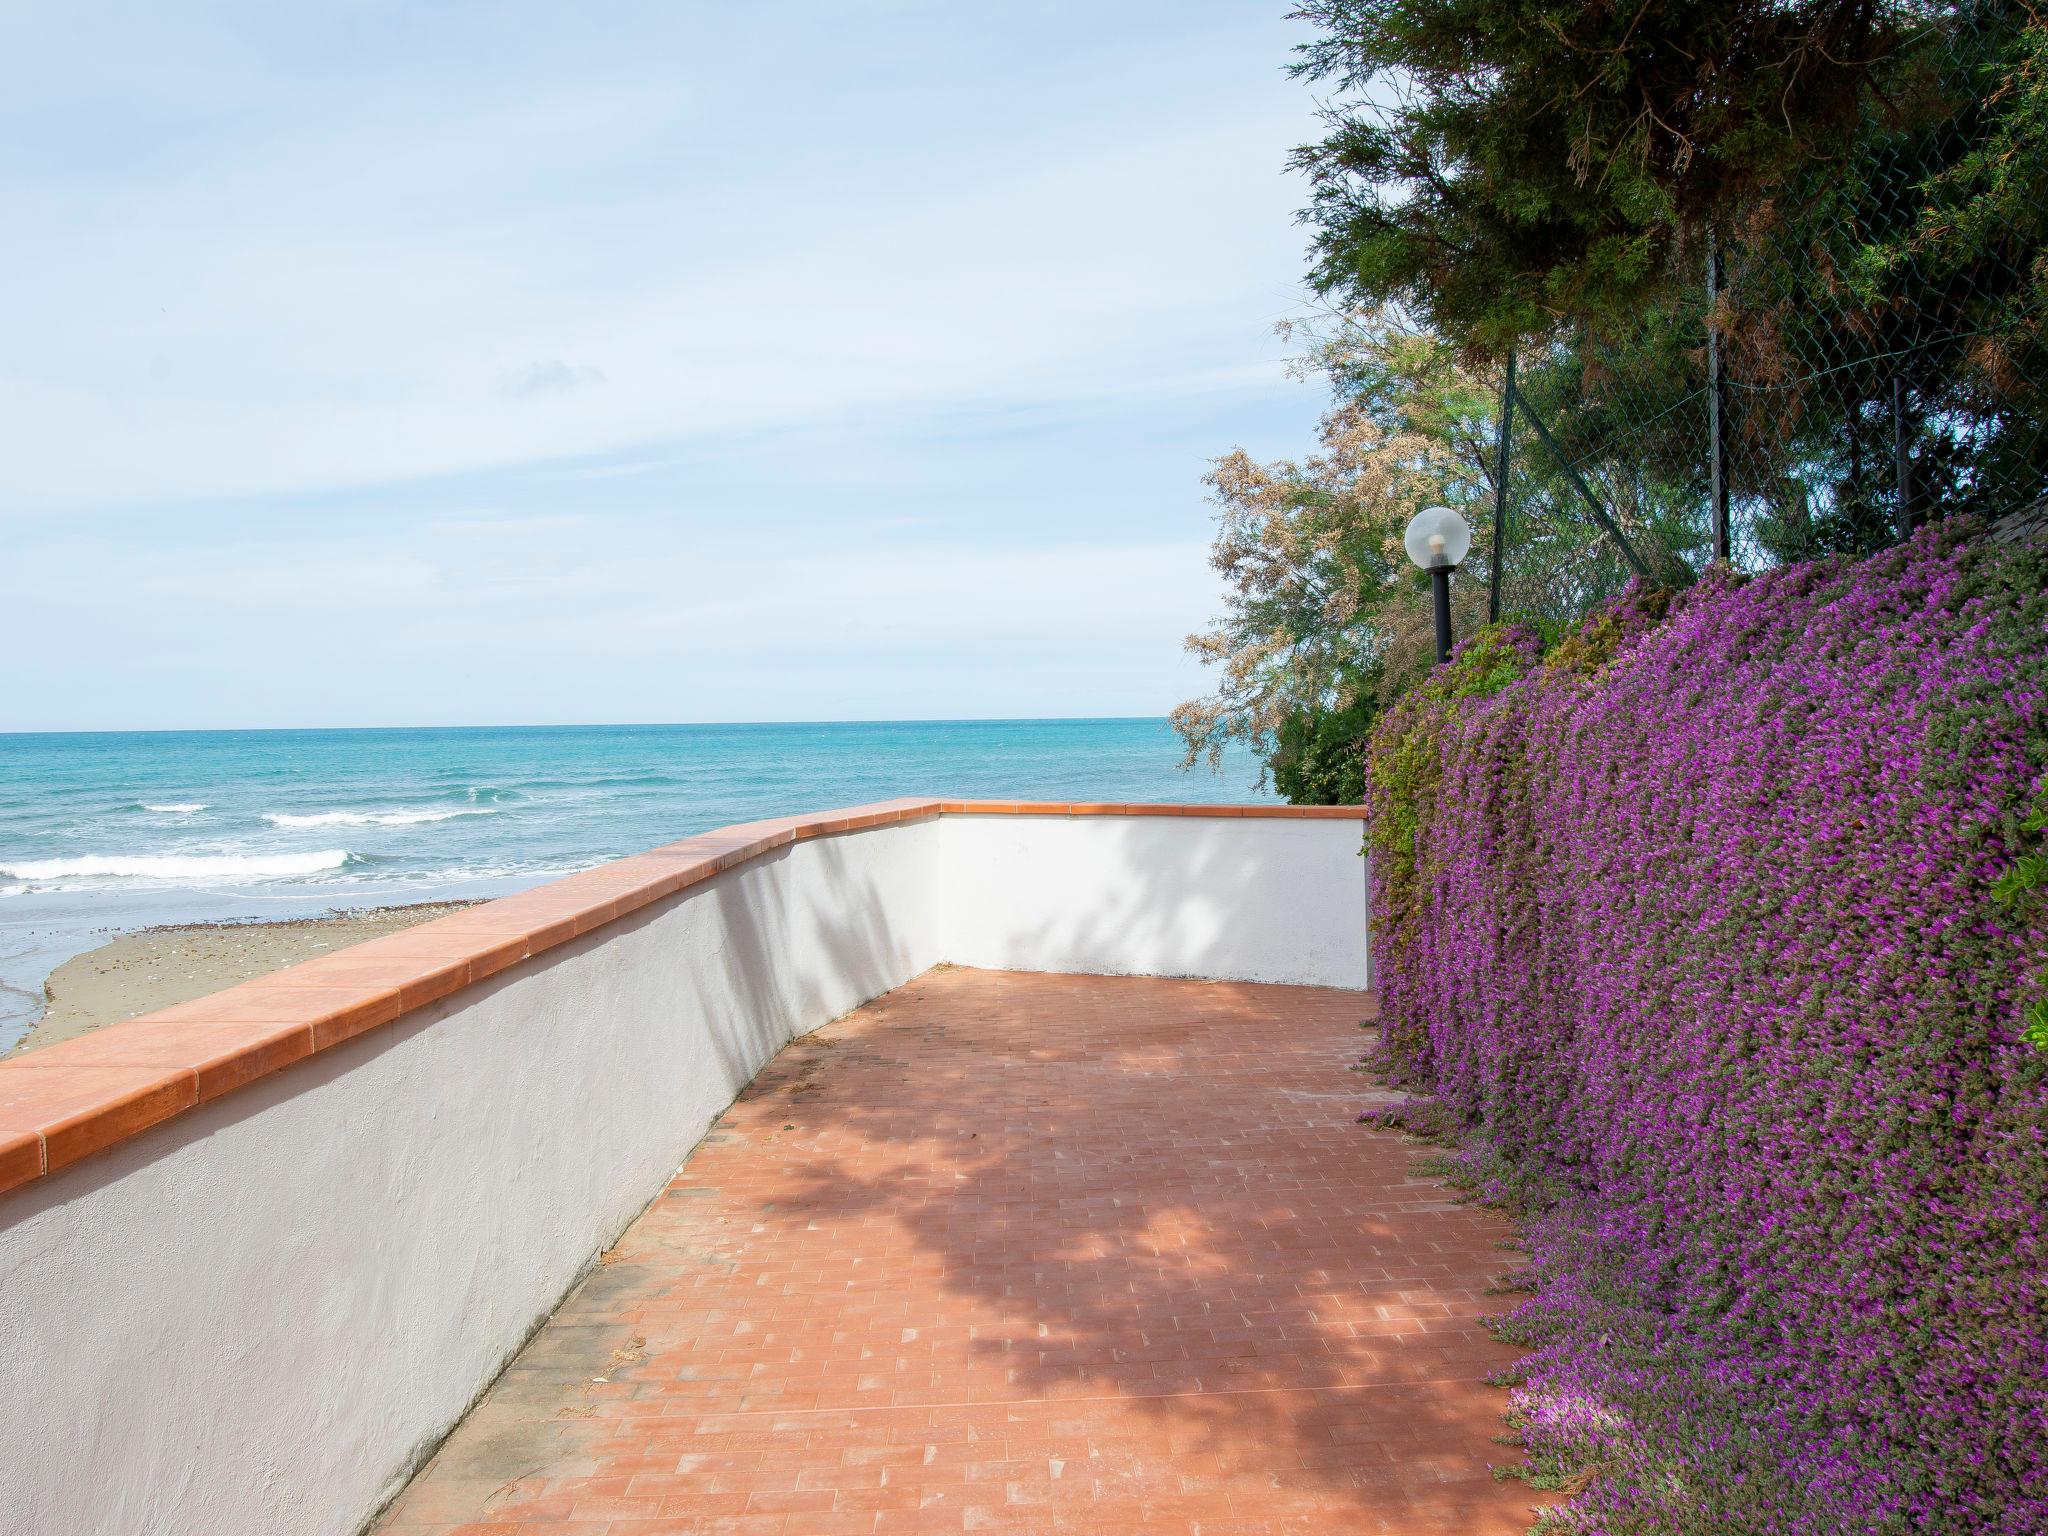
column 370, row 818
column 180, row 866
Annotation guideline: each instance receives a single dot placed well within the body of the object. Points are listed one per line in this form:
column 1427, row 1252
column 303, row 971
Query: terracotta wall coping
column 66, row 1101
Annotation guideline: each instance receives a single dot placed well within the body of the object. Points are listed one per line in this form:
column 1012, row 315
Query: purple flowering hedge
column 1718, row 939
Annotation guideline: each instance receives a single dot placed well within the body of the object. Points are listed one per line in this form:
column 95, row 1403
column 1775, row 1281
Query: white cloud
column 578, row 620
column 492, row 362
column 393, row 293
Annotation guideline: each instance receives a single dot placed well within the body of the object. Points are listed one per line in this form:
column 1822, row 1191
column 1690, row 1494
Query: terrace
column 930, row 1166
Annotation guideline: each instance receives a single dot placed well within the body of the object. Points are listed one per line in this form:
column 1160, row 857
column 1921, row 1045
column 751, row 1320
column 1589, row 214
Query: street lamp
column 1437, row 540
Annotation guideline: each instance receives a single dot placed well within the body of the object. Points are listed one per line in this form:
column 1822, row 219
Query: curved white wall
column 1236, row 898
column 258, row 1317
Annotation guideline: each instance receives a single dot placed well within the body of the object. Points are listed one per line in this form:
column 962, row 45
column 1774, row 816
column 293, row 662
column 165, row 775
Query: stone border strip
column 67, row 1101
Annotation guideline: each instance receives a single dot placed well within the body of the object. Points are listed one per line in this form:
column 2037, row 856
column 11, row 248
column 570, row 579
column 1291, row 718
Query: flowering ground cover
column 1716, row 939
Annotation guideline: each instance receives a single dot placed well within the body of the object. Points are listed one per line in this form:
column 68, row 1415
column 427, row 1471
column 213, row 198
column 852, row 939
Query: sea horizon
column 108, row 832
column 580, row 725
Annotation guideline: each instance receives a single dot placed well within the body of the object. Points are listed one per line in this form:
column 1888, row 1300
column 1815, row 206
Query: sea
column 106, row 833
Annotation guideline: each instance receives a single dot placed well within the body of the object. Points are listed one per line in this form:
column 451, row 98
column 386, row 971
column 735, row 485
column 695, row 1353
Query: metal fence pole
column 1717, row 414
column 1902, row 451
column 1500, row 493
column 1600, row 513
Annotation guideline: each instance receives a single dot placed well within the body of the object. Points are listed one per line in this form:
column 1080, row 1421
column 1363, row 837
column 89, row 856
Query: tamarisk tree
column 1323, row 615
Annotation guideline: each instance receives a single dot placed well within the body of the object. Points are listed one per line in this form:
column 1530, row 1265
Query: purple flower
column 1689, row 930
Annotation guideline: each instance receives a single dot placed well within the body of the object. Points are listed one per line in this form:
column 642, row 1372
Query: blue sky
column 453, row 364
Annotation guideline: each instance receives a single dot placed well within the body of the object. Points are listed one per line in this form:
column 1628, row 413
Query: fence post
column 1717, row 413
column 1500, row 493
column 1902, row 452
column 1601, row 515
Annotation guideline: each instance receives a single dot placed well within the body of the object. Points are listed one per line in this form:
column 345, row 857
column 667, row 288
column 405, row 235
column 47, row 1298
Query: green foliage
column 2017, row 890
column 1592, row 645
column 1549, row 178
column 1544, row 158
column 1319, row 754
column 1404, row 767
column 1913, row 264
column 2028, row 873
column 1484, row 665
column 1322, row 616
column 1979, row 224
column 2036, row 1023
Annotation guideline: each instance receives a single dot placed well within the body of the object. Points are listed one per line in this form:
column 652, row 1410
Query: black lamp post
column 1437, row 540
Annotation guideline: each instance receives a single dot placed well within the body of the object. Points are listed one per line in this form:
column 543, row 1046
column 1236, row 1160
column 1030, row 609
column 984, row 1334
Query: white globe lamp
column 1438, row 540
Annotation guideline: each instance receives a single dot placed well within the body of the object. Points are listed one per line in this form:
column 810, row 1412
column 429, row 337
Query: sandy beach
column 157, row 967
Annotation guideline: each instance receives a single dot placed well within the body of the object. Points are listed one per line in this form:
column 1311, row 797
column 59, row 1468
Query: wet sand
column 157, row 967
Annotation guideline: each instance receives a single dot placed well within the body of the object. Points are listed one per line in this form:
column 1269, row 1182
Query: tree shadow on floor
column 1154, row 1193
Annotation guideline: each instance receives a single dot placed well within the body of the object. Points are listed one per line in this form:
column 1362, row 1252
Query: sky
column 411, row 364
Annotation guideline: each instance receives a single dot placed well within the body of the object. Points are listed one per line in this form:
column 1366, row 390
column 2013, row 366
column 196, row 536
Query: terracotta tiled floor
column 1020, row 1253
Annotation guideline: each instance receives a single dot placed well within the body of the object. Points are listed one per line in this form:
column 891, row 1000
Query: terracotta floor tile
column 1021, row 1253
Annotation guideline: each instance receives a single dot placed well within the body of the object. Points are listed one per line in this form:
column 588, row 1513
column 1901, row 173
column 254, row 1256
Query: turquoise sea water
column 105, row 833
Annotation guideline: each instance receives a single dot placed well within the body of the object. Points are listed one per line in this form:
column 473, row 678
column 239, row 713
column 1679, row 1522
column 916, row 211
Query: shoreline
column 150, row 968
column 107, row 834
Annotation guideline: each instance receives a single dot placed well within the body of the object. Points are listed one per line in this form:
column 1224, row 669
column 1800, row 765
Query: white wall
column 252, row 1320
column 1235, row 898
column 257, row 1318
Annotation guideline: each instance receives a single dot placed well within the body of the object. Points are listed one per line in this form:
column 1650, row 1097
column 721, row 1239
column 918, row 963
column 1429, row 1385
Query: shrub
column 1716, row 934
column 1319, row 754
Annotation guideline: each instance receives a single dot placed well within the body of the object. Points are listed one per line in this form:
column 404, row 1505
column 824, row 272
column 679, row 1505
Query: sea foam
column 179, row 866
column 369, row 818
column 176, row 810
